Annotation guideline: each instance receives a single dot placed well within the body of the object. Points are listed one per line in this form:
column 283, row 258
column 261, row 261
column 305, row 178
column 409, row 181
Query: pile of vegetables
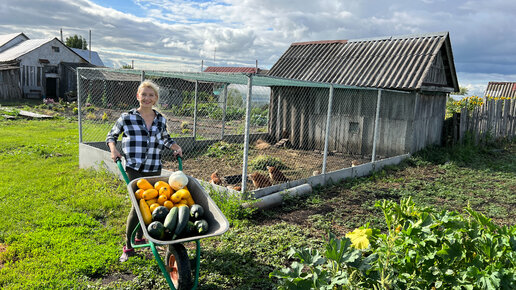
column 169, row 210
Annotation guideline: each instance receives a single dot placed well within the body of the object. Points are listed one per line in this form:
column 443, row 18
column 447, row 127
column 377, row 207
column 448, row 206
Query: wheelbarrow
column 176, row 267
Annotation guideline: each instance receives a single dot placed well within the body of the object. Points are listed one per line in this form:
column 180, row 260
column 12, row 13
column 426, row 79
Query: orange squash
column 162, row 198
column 166, row 190
column 144, row 184
column 150, row 194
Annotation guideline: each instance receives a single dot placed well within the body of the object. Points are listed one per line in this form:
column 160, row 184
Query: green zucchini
column 196, row 211
column 182, row 220
column 201, row 226
column 170, row 222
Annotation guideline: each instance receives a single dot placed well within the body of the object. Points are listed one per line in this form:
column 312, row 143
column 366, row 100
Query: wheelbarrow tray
column 218, row 224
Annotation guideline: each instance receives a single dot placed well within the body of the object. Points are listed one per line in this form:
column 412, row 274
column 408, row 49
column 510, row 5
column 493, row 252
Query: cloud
column 181, row 33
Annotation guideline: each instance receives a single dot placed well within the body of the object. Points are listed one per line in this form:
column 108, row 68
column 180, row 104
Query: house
column 416, row 72
column 501, row 89
column 36, row 68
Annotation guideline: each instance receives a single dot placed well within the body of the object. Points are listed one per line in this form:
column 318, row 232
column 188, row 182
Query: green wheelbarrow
column 176, row 267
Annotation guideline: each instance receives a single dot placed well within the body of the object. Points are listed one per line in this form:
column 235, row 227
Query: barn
column 414, row 75
column 36, row 68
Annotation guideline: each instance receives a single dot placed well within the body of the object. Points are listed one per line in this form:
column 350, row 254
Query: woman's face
column 147, row 97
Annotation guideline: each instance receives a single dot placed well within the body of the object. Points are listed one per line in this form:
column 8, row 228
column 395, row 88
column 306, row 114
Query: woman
column 144, row 137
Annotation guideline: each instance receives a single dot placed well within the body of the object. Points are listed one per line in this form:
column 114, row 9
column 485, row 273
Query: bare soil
column 300, row 163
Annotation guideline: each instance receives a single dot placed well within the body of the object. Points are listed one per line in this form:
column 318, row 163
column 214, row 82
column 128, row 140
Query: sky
column 178, row 35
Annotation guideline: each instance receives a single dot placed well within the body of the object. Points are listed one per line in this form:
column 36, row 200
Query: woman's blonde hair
column 149, row 84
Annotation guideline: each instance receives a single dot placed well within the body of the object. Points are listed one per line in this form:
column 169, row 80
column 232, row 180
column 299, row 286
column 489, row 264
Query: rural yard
column 86, row 210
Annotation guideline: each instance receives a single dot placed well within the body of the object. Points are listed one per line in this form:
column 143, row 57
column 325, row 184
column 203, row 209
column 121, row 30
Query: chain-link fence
column 239, row 125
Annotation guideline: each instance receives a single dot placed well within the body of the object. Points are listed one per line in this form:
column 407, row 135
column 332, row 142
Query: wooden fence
column 495, row 119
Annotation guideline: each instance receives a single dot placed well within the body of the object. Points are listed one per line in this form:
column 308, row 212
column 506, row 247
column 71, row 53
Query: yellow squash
column 145, row 211
column 144, row 184
column 150, row 194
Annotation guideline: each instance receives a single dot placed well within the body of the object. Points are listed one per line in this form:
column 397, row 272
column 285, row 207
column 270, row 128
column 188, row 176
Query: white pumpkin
column 177, row 180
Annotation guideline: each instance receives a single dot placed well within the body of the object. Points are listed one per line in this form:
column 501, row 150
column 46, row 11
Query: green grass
column 63, row 226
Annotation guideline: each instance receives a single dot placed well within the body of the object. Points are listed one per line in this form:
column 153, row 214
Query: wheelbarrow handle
column 121, row 168
column 179, row 163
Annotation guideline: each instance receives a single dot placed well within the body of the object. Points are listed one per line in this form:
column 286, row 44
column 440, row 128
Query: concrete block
column 276, row 199
column 362, row 170
column 338, row 175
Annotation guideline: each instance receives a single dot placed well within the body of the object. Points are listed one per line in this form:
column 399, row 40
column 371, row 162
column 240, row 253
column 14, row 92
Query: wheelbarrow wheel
column 178, row 266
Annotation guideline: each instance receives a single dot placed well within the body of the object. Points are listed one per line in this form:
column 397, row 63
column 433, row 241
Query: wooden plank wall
column 299, row 114
column 494, row 119
column 9, row 84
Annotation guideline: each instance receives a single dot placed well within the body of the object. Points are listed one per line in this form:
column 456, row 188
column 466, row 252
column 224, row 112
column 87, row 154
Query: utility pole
column 90, row 45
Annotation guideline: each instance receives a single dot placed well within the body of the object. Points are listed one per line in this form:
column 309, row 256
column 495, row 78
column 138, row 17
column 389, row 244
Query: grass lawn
column 62, row 227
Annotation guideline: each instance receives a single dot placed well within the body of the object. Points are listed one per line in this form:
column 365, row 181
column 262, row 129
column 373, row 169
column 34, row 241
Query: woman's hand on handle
column 177, row 150
column 115, row 155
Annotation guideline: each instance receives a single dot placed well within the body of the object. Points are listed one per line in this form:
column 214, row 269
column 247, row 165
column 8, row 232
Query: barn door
column 352, row 131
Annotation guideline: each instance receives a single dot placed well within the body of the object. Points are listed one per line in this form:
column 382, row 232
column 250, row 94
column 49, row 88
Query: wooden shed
column 415, row 72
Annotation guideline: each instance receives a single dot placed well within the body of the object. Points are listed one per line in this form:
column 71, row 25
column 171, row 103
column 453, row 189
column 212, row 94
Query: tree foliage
column 76, row 41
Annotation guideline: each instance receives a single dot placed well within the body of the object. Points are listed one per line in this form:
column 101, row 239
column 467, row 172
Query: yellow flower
column 359, row 238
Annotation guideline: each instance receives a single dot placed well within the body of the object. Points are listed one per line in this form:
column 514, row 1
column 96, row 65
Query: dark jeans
column 132, row 218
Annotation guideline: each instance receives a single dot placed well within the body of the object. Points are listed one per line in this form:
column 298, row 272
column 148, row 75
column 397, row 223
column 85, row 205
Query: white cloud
column 181, row 33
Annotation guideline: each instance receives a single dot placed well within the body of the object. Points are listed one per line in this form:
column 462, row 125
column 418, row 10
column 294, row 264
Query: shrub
column 225, row 150
column 262, row 161
column 91, row 116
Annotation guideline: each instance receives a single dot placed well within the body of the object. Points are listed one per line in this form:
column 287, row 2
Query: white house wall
column 31, row 77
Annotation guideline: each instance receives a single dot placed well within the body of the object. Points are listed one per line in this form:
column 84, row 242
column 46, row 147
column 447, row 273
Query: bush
column 262, row 161
column 226, row 150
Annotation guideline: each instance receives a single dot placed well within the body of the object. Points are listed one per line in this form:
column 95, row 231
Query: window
column 39, row 76
column 55, row 48
column 353, row 127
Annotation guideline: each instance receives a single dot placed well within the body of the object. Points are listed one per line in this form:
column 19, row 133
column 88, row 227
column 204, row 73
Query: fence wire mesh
column 207, row 118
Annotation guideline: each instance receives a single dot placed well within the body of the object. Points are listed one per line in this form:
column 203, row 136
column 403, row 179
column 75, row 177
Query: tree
column 76, row 41
column 127, row 66
column 462, row 91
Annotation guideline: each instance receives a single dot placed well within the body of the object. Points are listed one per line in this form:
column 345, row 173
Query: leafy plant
column 262, row 161
column 225, row 150
column 421, row 249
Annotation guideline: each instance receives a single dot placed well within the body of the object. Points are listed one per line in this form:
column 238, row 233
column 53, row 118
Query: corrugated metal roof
column 501, row 89
column 22, row 48
column 230, row 69
column 84, row 53
column 8, row 37
column 400, row 62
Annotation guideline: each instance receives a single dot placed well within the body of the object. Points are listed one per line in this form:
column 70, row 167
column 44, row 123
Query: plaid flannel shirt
column 141, row 147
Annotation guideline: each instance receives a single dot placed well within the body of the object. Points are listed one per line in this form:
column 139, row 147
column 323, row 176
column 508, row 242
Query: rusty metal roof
column 397, row 62
column 501, row 89
column 231, row 69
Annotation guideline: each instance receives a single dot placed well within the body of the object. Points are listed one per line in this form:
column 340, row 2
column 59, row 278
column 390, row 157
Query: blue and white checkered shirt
column 141, row 147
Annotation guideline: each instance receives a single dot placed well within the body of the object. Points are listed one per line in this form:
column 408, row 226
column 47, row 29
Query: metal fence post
column 376, row 119
column 327, row 134
column 79, row 107
column 247, row 128
column 224, row 108
column 195, row 110
column 143, row 76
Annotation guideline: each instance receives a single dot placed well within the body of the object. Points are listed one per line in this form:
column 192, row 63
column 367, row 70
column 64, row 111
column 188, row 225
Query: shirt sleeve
column 166, row 137
column 118, row 128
